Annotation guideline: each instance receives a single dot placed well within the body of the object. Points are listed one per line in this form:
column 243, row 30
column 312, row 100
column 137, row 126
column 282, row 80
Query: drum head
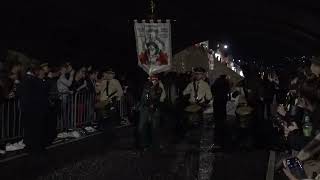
column 242, row 111
column 193, row 108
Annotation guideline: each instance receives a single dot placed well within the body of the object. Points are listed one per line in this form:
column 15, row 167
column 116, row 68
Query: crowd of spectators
column 288, row 102
column 50, row 89
column 291, row 105
column 42, row 89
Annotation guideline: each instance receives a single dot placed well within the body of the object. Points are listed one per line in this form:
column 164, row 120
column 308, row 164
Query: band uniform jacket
column 113, row 86
column 200, row 90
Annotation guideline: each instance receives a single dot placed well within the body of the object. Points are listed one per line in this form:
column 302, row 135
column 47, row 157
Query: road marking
column 271, row 164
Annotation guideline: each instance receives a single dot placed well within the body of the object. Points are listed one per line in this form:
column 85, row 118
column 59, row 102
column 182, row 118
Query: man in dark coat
column 220, row 90
column 54, row 105
column 34, row 107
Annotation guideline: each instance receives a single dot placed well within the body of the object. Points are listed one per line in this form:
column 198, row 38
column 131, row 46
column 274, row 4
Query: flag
column 153, row 43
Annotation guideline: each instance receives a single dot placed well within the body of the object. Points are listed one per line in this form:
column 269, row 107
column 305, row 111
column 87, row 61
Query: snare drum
column 245, row 115
column 193, row 108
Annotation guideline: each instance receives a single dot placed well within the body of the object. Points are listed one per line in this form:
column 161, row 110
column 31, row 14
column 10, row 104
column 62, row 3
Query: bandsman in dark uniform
column 34, row 108
column 152, row 96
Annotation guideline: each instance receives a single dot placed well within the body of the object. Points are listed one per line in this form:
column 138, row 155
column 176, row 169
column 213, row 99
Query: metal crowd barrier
column 10, row 124
column 76, row 111
column 125, row 104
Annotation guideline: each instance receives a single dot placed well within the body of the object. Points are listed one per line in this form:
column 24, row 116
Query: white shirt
column 114, row 86
column 204, row 91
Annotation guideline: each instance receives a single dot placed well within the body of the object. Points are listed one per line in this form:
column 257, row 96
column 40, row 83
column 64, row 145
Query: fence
column 74, row 111
column 11, row 127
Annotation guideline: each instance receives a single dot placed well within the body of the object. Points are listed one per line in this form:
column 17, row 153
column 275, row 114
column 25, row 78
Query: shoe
column 125, row 123
column 2, row 152
column 21, row 144
column 75, row 134
column 12, row 147
column 18, row 145
column 62, row 135
column 90, row 129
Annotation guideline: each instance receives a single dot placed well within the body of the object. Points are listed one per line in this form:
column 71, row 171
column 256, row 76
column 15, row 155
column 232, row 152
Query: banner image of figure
column 153, row 56
column 153, row 46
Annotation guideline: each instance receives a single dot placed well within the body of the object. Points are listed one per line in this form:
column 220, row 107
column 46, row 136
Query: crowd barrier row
column 74, row 111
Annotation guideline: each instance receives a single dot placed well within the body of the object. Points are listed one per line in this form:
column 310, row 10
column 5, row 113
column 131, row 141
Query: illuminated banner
column 153, row 43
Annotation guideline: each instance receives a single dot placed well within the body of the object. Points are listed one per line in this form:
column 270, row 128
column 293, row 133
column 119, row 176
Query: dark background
column 102, row 33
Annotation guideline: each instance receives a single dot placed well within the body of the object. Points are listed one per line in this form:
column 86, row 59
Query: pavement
column 98, row 158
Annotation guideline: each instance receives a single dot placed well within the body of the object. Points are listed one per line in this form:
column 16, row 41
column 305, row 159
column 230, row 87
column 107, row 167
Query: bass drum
column 193, row 108
column 245, row 116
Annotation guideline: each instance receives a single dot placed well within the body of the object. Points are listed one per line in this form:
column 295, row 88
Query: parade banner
column 153, row 43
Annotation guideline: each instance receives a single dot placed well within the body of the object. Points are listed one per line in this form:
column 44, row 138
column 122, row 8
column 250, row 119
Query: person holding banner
column 152, row 96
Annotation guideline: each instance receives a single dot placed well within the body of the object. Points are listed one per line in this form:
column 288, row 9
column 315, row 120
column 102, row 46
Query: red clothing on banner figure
column 153, row 55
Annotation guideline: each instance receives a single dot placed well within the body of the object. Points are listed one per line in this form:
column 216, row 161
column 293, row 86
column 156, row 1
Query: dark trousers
column 188, row 121
column 107, row 123
column 34, row 131
column 220, row 117
column 51, row 124
column 148, row 129
column 267, row 110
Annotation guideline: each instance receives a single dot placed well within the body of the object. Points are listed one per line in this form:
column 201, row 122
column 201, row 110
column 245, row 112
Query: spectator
column 79, row 83
column 54, row 105
column 315, row 66
column 63, row 85
column 63, row 82
column 310, row 102
column 92, row 79
column 45, row 68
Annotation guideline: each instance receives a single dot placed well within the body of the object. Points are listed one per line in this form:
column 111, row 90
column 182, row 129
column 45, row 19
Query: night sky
column 103, row 33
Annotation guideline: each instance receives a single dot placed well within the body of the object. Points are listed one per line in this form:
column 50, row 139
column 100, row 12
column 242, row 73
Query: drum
column 193, row 108
column 245, row 115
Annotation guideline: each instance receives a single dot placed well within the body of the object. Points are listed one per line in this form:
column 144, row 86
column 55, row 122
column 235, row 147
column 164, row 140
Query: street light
column 225, row 46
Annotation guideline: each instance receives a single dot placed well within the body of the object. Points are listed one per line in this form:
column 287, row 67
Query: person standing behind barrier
column 78, row 87
column 54, row 105
column 79, row 83
column 152, row 96
column 109, row 92
column 63, row 82
column 92, row 80
column 34, row 107
column 64, row 85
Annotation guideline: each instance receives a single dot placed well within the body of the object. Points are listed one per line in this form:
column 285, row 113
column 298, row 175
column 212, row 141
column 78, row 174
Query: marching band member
column 200, row 95
column 152, row 96
column 109, row 92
